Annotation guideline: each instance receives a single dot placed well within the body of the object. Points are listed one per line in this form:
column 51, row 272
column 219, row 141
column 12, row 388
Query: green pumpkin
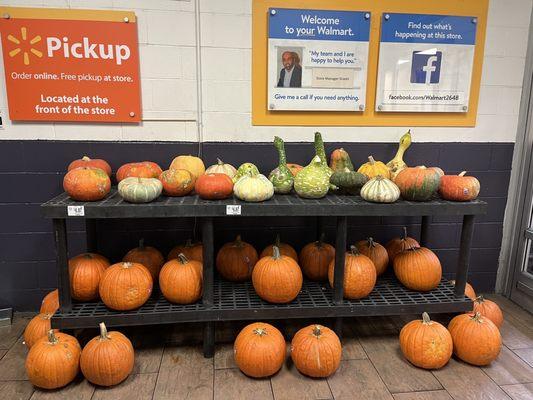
column 312, row 182
column 348, row 180
column 245, row 169
column 281, row 177
column 253, row 188
column 140, row 190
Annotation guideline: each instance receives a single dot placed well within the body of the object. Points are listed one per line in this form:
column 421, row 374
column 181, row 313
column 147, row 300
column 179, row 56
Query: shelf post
column 63, row 281
column 461, row 275
column 90, row 234
column 208, row 283
column 424, row 231
column 338, row 273
column 319, row 227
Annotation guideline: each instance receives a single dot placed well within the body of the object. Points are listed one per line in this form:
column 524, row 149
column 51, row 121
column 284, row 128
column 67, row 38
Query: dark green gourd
column 281, row 177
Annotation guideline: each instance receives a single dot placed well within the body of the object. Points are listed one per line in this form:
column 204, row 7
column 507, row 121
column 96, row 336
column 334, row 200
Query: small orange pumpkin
column 193, row 251
column 87, row 184
column 376, row 252
column 425, row 343
column 85, row 271
column 148, row 256
column 50, row 303
column 37, row 328
column 214, row 186
column 418, row 268
column 177, row 182
column 180, row 280
column 399, row 244
column 459, row 187
column 143, row 169
column 284, row 249
column 359, row 274
column 315, row 258
column 469, row 290
column 259, row 350
column 91, row 162
column 489, row 309
column 235, row 260
column 294, row 168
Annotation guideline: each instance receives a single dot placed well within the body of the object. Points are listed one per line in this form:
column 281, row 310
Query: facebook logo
column 425, row 68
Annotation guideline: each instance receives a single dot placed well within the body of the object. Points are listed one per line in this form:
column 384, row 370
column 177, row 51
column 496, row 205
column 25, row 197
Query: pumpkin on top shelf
column 140, row 190
column 91, row 162
column 214, row 186
column 373, row 168
column 344, row 177
column 380, row 190
column 253, row 188
column 281, row 177
column 143, row 169
column 294, row 168
column 418, row 183
column 459, row 187
column 222, row 168
column 193, row 164
column 177, row 182
column 87, row 184
column 397, row 164
column 245, row 169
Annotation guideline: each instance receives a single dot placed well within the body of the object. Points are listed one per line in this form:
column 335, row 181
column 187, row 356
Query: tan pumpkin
column 235, row 260
column 376, row 252
column 459, row 187
column 399, row 244
column 259, row 350
column 191, row 250
column 397, row 164
column 373, row 168
column 418, row 268
column 469, row 290
column 425, row 343
column 50, row 303
column 37, row 328
column 284, row 249
column 148, row 256
column 85, row 271
column 190, row 163
column 180, row 280
column 315, row 258
column 107, row 359
column 222, row 168
column 91, row 162
column 489, row 309
column 359, row 274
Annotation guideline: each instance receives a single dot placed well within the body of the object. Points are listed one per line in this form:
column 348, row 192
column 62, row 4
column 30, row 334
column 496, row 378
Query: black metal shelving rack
column 224, row 301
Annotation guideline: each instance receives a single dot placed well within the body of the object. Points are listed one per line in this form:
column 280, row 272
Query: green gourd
column 140, row 190
column 254, row 188
column 321, row 153
column 281, row 177
column 245, row 169
column 349, row 181
column 312, row 182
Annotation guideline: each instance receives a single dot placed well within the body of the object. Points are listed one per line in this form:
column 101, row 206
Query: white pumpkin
column 380, row 190
column 140, row 190
column 222, row 168
column 253, row 188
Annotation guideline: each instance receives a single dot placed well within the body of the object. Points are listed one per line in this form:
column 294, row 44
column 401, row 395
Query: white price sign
column 233, row 210
column 75, row 211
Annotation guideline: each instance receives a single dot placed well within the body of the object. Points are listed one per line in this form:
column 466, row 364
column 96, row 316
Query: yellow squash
column 397, row 164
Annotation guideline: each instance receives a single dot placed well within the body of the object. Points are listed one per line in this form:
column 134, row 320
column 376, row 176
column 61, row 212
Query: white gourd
column 253, row 188
column 222, row 168
column 380, row 190
column 140, row 190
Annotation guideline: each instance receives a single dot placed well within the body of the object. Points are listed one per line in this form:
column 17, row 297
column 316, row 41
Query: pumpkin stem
column 183, row 259
column 52, row 338
column 141, row 243
column 371, row 242
column 477, row 317
column 277, row 240
column 220, row 162
column 371, row 160
column 103, row 331
column 479, row 299
column 85, row 158
column 127, row 264
column 238, row 241
column 321, row 239
column 260, row 331
column 354, row 250
column 317, row 331
column 275, row 252
column 462, row 173
column 425, row 318
column 404, row 233
column 188, row 243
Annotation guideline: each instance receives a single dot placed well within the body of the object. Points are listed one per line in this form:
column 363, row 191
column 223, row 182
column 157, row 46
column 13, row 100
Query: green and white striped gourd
column 245, row 169
column 140, row 190
column 312, row 182
column 281, row 177
column 380, row 190
column 253, row 188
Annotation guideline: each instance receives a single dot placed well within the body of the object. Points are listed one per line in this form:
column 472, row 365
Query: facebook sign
column 425, row 67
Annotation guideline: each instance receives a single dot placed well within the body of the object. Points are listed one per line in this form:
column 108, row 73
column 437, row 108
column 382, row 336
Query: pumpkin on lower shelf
column 143, row 169
column 180, row 280
column 85, row 272
column 193, row 164
column 54, row 361
column 177, row 182
column 399, row 244
column 285, row 249
column 37, row 328
column 359, row 275
column 376, row 252
column 91, row 162
column 425, row 343
column 140, row 190
column 315, row 258
column 107, row 359
column 125, row 286
column 259, row 350
column 50, row 303
column 87, row 184
column 148, row 256
column 489, row 309
column 469, row 290
column 316, row 351
column 380, row 190
column 459, row 187
column 222, row 168
column 191, row 250
column 253, row 188
column 214, row 186
column 476, row 339
column 418, row 183
column 373, row 168
column 418, row 268
column 235, row 260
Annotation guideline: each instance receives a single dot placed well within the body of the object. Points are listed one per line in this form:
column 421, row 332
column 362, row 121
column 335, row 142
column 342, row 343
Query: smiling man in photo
column 291, row 74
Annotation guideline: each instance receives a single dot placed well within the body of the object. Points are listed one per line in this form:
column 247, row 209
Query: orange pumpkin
column 284, row 249
column 107, row 359
column 376, row 252
column 37, row 328
column 53, row 361
column 359, row 274
column 476, row 340
column 85, row 271
column 148, row 256
column 177, row 182
column 418, row 183
column 143, row 169
column 425, row 343
column 315, row 258
column 489, row 309
column 91, row 162
column 50, row 303
column 399, row 244
column 469, row 290
column 87, row 184
column 316, row 351
column 190, row 163
column 259, row 350
column 180, row 280
column 418, row 268
column 294, row 168
column 235, row 260
column 214, row 186
column 193, row 251
column 125, row 286
column 459, row 187
column 277, row 278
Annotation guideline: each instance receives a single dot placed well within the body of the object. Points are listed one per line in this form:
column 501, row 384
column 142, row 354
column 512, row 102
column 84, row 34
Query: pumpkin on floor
column 315, row 258
column 85, row 271
column 376, row 252
column 476, row 339
column 373, row 168
column 143, row 169
column 418, row 268
column 359, row 274
column 399, row 244
column 469, row 290
column 418, row 183
column 259, row 350
column 177, row 182
column 214, row 186
column 37, row 328
column 425, row 343
column 91, row 162
column 140, row 190
column 148, row 256
column 180, row 280
column 235, row 260
column 397, row 164
column 125, row 286
column 459, row 187
column 489, row 309
column 107, row 359
column 380, row 190
column 191, row 250
column 222, row 168
column 87, row 184
column 53, row 362
column 284, row 248
column 50, row 303
column 277, row 278
column 316, row 351
column 192, row 164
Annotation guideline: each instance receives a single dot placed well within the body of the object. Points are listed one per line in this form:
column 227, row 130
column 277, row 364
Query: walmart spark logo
column 23, row 46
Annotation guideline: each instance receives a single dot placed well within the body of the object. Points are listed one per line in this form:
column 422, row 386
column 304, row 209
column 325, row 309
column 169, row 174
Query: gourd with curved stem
column 397, row 164
column 281, row 177
column 312, row 182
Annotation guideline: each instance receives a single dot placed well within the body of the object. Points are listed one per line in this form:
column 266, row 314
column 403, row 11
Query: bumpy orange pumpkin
column 177, row 182
column 148, row 256
column 143, row 169
column 180, row 280
column 214, row 186
column 193, row 251
column 91, row 162
column 489, row 309
column 277, row 278
column 469, row 290
column 418, row 183
column 359, row 274
column 284, row 249
column 459, row 187
column 235, row 260
column 373, row 168
column 107, row 359
column 50, row 303
column 125, row 286
column 192, row 164
column 85, row 272
column 425, row 343
column 418, row 268
column 259, row 350
column 376, row 252
column 316, row 351
column 37, row 328
column 315, row 258
column 294, row 168
column 476, row 340
column 399, row 244
column 53, row 361
column 87, row 184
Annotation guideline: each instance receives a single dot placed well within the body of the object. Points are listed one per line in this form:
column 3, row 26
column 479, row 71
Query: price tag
column 233, row 210
column 75, row 211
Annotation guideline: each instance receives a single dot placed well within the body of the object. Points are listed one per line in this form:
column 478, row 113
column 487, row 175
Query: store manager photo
column 291, row 73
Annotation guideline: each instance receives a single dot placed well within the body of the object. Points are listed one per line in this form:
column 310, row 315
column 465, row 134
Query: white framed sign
column 425, row 63
column 317, row 59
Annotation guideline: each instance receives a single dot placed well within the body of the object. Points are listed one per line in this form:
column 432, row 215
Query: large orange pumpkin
column 316, row 351
column 418, row 268
column 125, row 286
column 315, row 258
column 469, row 290
column 359, row 274
column 91, row 162
column 143, row 169
column 235, row 260
column 85, row 272
column 148, row 256
column 190, row 163
column 399, row 244
column 180, row 280
column 37, row 328
column 376, row 252
column 284, row 249
column 459, row 187
column 425, row 343
column 476, row 340
column 50, row 303
column 259, row 350
column 418, row 183
column 214, row 186
column 277, row 278
column 87, row 184
column 193, row 251
column 489, row 309
column 53, row 361
column 177, row 182
column 107, row 359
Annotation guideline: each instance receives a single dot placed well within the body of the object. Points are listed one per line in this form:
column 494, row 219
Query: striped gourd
column 140, row 190
column 380, row 190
